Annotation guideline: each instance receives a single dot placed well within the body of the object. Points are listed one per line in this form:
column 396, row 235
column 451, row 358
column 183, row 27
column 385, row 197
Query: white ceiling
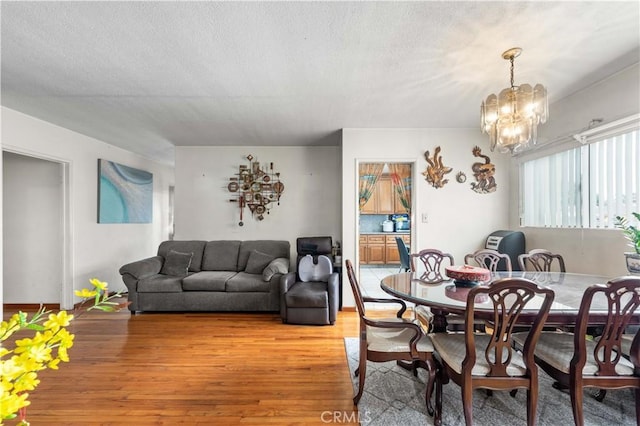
column 148, row 76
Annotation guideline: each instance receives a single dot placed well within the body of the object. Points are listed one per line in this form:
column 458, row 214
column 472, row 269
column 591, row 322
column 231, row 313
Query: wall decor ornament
column 255, row 188
column 436, row 170
column 125, row 194
column 484, row 173
column 461, row 177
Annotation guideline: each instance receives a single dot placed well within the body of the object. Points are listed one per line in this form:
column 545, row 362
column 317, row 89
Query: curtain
column 401, row 179
column 369, row 174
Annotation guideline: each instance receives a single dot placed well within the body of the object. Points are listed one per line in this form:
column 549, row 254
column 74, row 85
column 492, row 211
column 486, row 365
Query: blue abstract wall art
column 125, row 194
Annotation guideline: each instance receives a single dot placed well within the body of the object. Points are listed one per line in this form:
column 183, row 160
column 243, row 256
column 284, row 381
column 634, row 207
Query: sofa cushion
column 320, row 271
column 160, row 284
column 195, row 247
column 276, row 248
column 221, row 255
column 257, row 262
column 278, row 265
column 176, row 264
column 248, row 283
column 207, row 281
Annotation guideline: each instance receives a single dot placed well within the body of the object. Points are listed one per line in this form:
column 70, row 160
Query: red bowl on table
column 467, row 275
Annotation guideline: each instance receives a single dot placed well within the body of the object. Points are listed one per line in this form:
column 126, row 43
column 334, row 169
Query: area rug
column 393, row 396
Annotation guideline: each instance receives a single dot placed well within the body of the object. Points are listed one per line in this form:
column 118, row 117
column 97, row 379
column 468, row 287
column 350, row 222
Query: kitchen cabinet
column 380, row 249
column 362, row 248
column 376, row 249
column 371, row 207
column 391, row 247
column 386, row 196
column 384, row 199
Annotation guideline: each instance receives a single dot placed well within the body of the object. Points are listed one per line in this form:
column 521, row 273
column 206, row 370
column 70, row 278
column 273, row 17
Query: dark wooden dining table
column 444, row 297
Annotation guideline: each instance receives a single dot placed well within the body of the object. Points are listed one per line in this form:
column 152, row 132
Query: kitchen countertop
column 386, row 233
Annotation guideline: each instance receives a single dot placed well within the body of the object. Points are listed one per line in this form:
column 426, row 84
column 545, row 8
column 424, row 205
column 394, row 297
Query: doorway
column 384, row 214
column 35, row 231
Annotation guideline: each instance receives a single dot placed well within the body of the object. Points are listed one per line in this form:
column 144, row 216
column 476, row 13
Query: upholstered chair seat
column 556, row 348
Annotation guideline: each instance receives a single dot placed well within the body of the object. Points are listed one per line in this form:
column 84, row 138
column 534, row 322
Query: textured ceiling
column 148, row 76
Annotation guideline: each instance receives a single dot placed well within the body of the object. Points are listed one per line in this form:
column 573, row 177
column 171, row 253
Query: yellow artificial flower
column 11, row 403
column 62, row 354
column 100, row 285
column 27, row 382
column 65, row 338
column 53, row 364
column 56, row 321
column 85, row 293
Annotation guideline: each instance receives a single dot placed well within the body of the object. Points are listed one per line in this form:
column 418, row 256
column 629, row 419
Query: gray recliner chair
column 304, row 301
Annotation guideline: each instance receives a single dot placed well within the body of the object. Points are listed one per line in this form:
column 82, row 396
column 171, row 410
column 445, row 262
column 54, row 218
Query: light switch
column 425, row 218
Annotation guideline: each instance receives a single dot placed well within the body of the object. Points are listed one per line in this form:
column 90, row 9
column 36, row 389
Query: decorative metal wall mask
column 436, row 170
column 255, row 188
column 483, row 172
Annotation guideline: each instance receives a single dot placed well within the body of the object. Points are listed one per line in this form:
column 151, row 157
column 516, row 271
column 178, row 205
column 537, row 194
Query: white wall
column 309, row 206
column 592, row 251
column 459, row 219
column 98, row 250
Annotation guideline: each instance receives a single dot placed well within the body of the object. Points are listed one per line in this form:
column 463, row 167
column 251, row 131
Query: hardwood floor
column 198, row 369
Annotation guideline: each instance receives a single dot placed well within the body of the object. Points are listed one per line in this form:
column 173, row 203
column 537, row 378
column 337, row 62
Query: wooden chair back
column 432, row 262
column 491, row 361
column 623, row 296
column 490, row 259
column 396, row 339
column 599, row 363
column 541, row 260
column 355, row 288
column 509, row 296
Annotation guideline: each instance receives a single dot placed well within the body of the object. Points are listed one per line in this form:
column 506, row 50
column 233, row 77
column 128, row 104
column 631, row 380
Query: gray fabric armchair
column 310, row 302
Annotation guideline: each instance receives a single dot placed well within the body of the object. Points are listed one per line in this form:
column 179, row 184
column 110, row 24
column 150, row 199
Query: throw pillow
column 257, row 262
column 176, row 264
column 308, row 271
column 279, row 265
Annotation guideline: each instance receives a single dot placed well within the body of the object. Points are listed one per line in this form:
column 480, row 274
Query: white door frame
column 356, row 227
column 67, row 284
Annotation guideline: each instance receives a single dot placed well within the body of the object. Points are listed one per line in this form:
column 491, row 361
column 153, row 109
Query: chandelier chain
column 512, row 60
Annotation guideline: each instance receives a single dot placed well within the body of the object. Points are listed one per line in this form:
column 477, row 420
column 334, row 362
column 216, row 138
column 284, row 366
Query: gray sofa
column 225, row 275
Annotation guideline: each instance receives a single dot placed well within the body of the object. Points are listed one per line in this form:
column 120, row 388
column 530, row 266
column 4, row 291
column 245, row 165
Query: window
column 586, row 186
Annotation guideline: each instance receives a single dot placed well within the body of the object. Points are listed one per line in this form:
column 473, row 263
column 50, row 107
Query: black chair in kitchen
column 306, row 298
column 403, row 250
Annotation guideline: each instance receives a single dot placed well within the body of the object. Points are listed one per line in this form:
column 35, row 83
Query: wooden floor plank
column 198, row 369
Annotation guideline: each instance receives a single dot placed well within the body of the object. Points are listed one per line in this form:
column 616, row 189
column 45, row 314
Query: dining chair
column 403, row 251
column 431, row 264
column 389, row 339
column 493, row 260
column 432, row 261
column 576, row 362
column 482, row 360
column 541, row 260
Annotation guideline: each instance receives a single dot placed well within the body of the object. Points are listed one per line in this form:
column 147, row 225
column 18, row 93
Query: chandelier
column 511, row 119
